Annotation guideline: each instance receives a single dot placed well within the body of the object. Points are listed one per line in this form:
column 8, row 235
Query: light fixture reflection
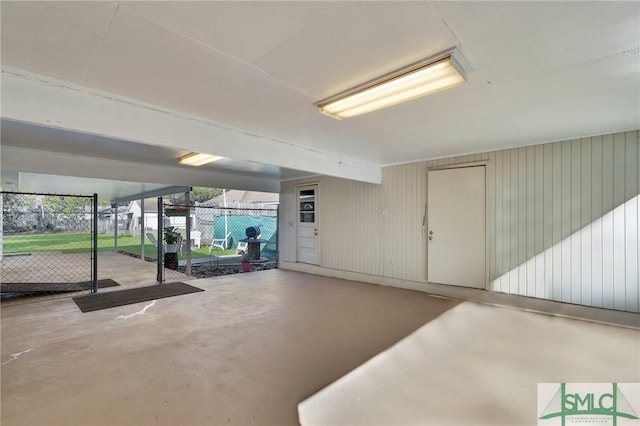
column 198, row 159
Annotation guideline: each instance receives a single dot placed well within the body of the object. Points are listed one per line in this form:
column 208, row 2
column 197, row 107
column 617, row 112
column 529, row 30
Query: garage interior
column 107, row 97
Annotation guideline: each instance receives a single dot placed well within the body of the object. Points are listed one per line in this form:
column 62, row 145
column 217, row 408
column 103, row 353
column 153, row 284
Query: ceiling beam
column 55, row 163
column 154, row 193
column 39, row 100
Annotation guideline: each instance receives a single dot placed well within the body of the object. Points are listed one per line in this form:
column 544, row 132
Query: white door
column 456, row 231
column 308, row 224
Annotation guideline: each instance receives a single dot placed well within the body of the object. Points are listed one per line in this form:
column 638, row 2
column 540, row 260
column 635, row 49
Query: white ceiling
column 540, row 71
column 26, row 136
column 109, row 190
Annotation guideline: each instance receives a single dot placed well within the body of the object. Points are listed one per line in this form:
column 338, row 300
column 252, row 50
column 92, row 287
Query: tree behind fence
column 45, row 213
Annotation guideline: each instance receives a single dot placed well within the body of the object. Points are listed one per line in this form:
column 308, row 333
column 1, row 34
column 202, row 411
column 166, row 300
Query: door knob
column 430, row 237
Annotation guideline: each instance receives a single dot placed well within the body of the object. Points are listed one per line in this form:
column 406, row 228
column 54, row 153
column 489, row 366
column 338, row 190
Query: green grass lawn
column 81, row 243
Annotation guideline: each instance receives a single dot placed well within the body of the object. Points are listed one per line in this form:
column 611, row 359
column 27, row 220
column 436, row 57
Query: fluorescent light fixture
column 417, row 80
column 197, row 159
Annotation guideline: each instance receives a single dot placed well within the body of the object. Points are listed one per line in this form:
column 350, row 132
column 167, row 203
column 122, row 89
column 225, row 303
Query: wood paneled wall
column 562, row 221
column 566, row 221
column 349, row 224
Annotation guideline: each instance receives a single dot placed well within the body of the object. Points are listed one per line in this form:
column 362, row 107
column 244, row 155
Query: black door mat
column 53, row 287
column 95, row 302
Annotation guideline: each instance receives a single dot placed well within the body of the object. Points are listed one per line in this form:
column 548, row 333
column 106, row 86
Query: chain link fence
column 47, row 243
column 221, row 229
column 215, row 245
column 216, row 235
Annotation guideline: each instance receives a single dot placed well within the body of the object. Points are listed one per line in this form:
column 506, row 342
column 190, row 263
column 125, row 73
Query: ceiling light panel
column 404, row 85
column 197, row 159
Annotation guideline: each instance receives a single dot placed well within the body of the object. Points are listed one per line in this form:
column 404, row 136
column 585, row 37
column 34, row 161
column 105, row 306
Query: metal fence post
column 1, row 225
column 160, row 263
column 115, row 229
column 187, row 201
column 94, row 265
column 278, row 236
column 142, row 229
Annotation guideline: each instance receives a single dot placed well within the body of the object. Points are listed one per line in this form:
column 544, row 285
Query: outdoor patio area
column 46, row 266
column 125, row 270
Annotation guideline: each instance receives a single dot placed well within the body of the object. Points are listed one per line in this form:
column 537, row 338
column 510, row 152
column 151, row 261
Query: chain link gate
column 48, row 243
column 207, row 237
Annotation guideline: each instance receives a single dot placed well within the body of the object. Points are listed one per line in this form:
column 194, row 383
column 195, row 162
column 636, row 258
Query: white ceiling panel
column 441, row 132
column 564, row 104
column 32, row 38
column 515, row 40
column 195, row 79
column 231, row 27
column 356, row 43
column 142, row 60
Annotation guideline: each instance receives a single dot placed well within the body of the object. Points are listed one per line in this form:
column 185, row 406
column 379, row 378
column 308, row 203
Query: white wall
column 562, row 221
column 566, row 221
column 349, row 224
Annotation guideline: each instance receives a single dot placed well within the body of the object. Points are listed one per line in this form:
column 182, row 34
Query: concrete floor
column 252, row 346
column 245, row 351
column 46, row 266
column 128, row 271
column 479, row 365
